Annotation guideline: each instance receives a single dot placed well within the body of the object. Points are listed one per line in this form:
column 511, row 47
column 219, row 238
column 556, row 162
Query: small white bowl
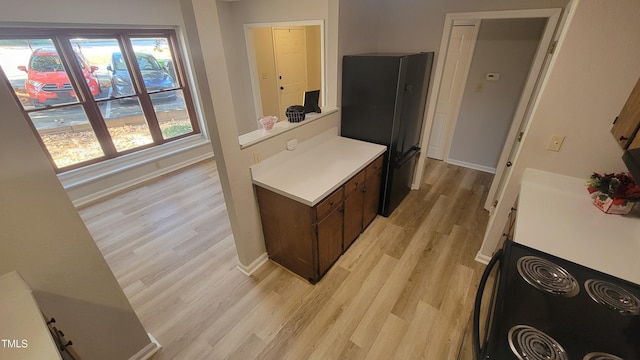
column 268, row 122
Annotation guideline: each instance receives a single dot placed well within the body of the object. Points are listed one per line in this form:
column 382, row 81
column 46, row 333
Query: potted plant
column 613, row 193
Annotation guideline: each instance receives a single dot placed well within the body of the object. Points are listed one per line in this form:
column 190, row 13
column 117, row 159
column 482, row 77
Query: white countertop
column 556, row 215
column 316, row 167
column 21, row 320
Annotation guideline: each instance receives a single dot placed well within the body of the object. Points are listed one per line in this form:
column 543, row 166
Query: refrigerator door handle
column 401, row 161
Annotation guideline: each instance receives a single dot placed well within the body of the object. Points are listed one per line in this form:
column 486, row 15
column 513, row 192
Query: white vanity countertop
column 556, row 215
column 316, row 167
column 23, row 321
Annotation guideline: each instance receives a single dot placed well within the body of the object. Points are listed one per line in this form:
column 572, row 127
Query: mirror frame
column 253, row 67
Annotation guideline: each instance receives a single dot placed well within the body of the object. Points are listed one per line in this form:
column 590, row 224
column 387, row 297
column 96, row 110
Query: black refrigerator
column 383, row 102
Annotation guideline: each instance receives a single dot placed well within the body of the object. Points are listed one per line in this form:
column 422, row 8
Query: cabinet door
column 353, row 214
column 329, row 231
column 626, row 126
column 372, row 191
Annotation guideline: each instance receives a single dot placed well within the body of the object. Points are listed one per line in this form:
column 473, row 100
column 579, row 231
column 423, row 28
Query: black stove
column 546, row 307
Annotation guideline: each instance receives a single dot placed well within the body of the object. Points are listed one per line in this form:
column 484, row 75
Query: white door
column 520, row 120
column 454, row 77
column 291, row 66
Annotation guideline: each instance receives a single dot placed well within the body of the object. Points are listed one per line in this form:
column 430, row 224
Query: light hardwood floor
column 404, row 290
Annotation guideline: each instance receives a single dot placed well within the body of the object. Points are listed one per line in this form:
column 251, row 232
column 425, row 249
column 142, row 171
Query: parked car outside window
column 156, row 77
column 47, row 80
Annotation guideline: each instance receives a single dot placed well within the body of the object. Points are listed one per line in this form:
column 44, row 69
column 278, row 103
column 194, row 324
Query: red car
column 47, row 81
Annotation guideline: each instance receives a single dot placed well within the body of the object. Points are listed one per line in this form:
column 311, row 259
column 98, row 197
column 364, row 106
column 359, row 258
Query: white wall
column 216, row 74
column 42, row 236
column 359, row 26
column 233, row 16
column 91, row 12
column 44, row 239
column 266, row 67
column 592, row 74
column 507, row 47
column 411, row 25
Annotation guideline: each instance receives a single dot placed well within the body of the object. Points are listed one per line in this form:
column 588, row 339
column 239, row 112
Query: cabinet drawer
column 328, row 203
column 373, row 168
column 353, row 184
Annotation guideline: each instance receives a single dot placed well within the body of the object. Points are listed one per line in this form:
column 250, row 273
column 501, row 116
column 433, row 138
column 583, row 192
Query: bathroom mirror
column 285, row 60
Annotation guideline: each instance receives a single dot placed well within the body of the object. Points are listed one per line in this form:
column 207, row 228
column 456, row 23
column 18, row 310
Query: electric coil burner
column 537, row 311
column 547, row 276
column 529, row 343
column 613, row 296
column 601, row 356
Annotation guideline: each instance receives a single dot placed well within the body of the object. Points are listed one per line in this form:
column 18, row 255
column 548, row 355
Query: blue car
column 156, row 77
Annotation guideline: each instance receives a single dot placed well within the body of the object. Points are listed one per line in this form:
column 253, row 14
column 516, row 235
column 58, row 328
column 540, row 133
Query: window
column 93, row 95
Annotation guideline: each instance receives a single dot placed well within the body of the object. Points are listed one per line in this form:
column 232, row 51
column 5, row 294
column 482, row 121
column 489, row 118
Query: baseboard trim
column 472, row 166
column 482, row 258
column 255, row 265
column 148, row 350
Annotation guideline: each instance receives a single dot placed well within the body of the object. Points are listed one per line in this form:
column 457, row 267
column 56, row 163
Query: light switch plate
column 556, row 143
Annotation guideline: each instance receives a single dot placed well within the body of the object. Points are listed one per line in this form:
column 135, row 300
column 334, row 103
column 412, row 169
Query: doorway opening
column 442, row 125
column 285, row 60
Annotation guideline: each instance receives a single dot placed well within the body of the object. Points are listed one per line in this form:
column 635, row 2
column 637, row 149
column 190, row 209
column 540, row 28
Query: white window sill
column 78, row 177
column 260, row 135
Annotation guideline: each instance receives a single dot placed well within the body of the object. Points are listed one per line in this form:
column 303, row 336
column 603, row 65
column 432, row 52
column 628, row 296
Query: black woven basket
column 295, row 113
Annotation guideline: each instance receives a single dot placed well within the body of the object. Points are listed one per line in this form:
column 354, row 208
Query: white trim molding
column 148, row 351
column 255, row 265
column 482, row 258
column 472, row 166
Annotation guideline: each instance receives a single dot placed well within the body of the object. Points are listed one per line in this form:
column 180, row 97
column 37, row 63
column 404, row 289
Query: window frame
column 61, row 39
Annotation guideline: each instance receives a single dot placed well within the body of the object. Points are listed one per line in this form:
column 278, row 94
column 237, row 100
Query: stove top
column 550, row 308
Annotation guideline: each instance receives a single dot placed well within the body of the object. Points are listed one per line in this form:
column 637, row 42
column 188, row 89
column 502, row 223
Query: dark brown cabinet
column 362, row 197
column 353, row 208
column 329, row 237
column 308, row 240
column 373, row 177
column 626, row 126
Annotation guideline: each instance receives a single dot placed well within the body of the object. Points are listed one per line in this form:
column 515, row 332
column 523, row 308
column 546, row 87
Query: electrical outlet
column 556, row 143
column 292, row 144
column 256, row 157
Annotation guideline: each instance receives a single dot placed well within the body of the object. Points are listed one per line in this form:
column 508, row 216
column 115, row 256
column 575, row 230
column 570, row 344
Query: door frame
column 521, row 114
